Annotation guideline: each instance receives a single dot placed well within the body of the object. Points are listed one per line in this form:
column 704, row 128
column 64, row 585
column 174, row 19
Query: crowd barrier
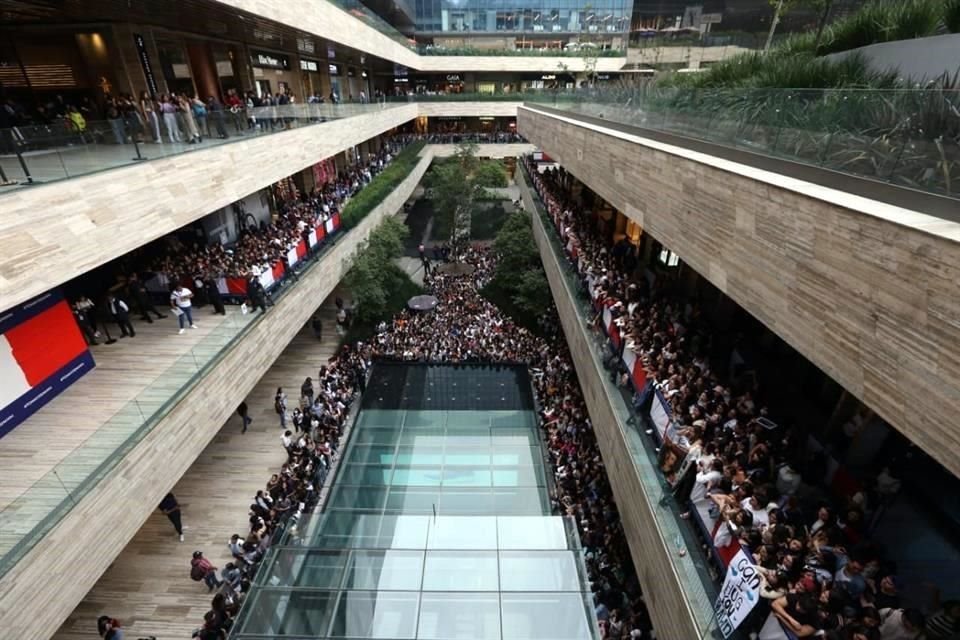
column 235, row 287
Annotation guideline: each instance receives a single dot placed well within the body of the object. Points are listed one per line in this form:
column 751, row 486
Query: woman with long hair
column 148, row 109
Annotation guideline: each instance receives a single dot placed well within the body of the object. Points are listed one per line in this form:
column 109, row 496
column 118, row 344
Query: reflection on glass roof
column 437, row 526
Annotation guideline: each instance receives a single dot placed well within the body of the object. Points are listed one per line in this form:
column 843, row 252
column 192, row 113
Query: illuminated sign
column 309, row 65
column 269, row 60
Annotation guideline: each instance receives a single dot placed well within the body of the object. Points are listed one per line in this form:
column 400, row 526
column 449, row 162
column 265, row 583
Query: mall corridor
column 148, row 587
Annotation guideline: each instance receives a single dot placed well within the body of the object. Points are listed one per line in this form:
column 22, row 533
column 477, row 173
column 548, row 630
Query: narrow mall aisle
column 148, row 587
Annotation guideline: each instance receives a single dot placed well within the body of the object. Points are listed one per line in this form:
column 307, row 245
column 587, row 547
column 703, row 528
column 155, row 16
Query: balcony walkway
column 80, row 428
column 148, row 587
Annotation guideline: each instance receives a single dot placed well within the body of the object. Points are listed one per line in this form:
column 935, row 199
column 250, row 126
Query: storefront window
column 175, row 66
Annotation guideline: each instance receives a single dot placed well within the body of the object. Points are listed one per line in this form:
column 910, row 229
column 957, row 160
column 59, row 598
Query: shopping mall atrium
column 479, row 320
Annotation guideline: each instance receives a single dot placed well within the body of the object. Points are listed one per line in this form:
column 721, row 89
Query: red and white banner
column 313, row 238
column 330, row 225
column 292, row 257
column 635, row 366
column 42, row 352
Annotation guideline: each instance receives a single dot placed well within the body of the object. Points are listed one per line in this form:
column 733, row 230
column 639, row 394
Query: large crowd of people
column 822, row 574
column 464, row 327
column 199, row 266
column 257, row 249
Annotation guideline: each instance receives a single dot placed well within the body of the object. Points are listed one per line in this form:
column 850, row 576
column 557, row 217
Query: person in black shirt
column 171, row 509
column 137, row 292
column 242, row 412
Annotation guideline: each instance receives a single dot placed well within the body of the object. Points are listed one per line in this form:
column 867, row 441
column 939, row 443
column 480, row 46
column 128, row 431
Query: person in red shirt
column 203, row 569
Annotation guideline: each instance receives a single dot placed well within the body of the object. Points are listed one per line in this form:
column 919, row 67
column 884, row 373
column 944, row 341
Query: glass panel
column 516, row 455
column 473, row 459
column 404, row 532
column 519, row 532
column 375, row 436
column 545, row 616
column 520, row 501
column 412, row 500
column 371, row 454
column 284, row 612
column 461, row 571
column 466, row 502
column 362, row 614
column 364, row 474
column 417, row 477
column 466, row 477
column 456, row 532
column 455, row 616
column 385, row 570
column 539, row 571
column 321, row 569
column 347, row 497
column 420, row 454
column 518, row 477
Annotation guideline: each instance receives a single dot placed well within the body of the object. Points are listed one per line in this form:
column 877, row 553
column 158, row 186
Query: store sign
column 603, row 76
column 453, row 77
column 141, row 46
column 309, row 65
column 739, row 594
column 548, row 76
column 332, row 68
column 397, row 80
column 269, row 60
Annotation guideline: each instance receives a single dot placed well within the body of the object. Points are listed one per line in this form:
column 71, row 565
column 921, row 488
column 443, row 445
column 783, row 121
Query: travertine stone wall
column 662, row 588
column 468, row 109
column 38, row 594
column 870, row 293
column 52, row 233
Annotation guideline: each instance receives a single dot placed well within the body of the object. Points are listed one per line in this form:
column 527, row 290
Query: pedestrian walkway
column 148, row 587
column 81, row 427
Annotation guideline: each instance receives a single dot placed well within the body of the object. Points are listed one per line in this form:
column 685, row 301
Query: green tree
column 515, row 245
column 372, row 278
column 455, row 186
column 531, row 292
column 519, row 283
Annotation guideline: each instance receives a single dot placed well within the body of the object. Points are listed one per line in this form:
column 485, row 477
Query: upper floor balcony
column 84, row 197
column 841, row 239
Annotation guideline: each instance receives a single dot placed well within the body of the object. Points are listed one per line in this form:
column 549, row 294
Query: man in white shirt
column 182, row 307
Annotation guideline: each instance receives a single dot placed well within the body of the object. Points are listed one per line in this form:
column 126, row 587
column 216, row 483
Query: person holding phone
column 182, row 307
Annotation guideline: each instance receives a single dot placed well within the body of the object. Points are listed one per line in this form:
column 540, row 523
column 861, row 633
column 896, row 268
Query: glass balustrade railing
column 683, row 547
column 908, row 138
column 29, row 517
column 37, row 154
column 359, row 11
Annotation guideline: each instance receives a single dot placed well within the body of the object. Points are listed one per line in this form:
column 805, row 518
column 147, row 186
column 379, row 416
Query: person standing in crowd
column 148, row 109
column 89, row 328
column 181, row 305
column 120, row 313
column 109, row 628
column 317, row 325
column 244, row 417
column 202, row 569
column 137, row 292
column 306, row 390
column 169, row 111
column 213, row 295
column 216, row 111
column 280, row 406
column 200, row 114
column 256, row 294
column 171, row 508
column 115, row 118
column 185, row 107
column 236, row 107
